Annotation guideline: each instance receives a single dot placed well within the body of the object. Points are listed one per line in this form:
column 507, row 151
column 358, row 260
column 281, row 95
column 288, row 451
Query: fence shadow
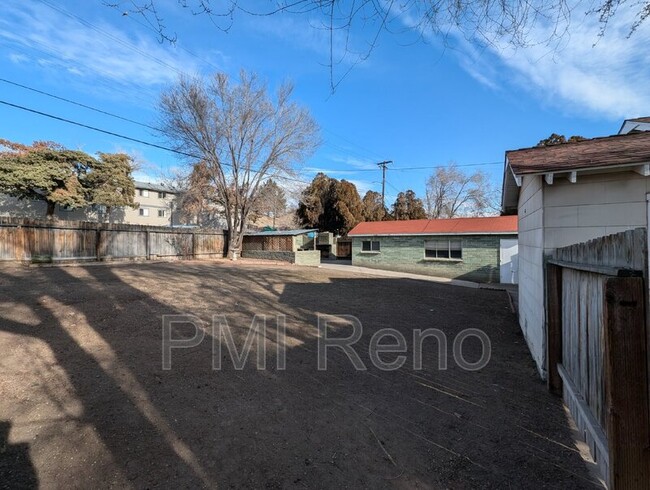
column 195, row 427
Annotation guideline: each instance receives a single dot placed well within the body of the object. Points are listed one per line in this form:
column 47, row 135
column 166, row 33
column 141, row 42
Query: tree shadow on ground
column 192, row 426
column 15, row 464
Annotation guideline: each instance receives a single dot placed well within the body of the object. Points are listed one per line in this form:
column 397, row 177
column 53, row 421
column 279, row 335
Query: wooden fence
column 597, row 349
column 282, row 243
column 28, row 240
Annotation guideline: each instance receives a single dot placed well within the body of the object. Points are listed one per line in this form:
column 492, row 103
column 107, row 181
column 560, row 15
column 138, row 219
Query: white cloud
column 357, row 163
column 605, row 77
column 311, row 33
column 103, row 52
column 18, row 58
column 363, row 186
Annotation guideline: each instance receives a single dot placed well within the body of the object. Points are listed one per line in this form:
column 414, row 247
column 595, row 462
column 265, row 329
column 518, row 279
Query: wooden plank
column 598, row 269
column 24, row 238
column 586, row 423
column 628, row 418
column 554, row 330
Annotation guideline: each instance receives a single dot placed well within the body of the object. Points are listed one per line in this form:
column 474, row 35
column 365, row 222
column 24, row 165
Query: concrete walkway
column 510, row 289
column 401, row 275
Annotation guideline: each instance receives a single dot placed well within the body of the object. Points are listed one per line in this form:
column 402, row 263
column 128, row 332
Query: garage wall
column 595, row 206
column 531, row 268
column 562, row 214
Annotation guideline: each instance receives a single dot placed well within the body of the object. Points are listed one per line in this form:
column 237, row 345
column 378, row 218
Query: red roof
column 454, row 226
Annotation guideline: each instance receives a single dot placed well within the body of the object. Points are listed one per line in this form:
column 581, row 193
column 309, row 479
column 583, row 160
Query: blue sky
column 419, row 104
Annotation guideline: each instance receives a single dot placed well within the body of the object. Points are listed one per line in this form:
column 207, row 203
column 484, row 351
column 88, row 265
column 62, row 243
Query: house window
column 144, row 212
column 161, row 213
column 162, row 195
column 370, row 246
column 144, row 193
column 443, row 249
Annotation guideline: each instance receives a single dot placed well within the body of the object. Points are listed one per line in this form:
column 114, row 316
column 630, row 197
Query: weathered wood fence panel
column 590, row 361
column 627, row 394
column 171, row 244
column 209, row 244
column 268, row 243
column 120, row 244
column 44, row 241
column 7, row 243
column 582, row 336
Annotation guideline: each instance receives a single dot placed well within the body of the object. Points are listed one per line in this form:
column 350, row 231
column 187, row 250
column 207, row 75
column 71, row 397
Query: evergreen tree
column 408, row 206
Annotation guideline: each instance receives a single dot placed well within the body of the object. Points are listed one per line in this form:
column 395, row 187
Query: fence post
column 553, row 327
column 626, row 383
column 148, row 240
column 20, row 250
column 194, row 244
column 100, row 242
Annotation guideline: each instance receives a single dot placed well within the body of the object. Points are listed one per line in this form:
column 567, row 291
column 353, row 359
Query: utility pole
column 383, row 180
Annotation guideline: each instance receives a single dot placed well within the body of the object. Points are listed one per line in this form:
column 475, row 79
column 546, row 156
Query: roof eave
column 621, row 167
column 448, row 233
column 509, row 190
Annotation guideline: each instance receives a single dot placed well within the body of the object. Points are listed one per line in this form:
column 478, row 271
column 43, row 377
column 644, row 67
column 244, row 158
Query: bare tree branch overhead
column 480, row 21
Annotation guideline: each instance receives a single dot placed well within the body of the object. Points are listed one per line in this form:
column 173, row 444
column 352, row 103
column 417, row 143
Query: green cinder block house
column 472, row 249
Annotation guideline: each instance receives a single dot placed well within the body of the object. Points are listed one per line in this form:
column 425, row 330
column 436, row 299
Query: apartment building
column 157, row 207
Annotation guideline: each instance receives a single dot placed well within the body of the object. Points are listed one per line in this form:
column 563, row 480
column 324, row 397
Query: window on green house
column 370, row 246
column 443, row 249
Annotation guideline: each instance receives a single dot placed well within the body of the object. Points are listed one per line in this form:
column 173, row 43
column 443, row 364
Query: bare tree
column 480, row 21
column 241, row 136
column 451, row 193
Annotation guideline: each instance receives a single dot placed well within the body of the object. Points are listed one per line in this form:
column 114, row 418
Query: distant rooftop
column 154, row 187
column 635, row 125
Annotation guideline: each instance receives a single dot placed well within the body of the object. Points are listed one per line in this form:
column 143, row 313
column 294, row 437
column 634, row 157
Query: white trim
column 573, row 177
column 473, row 233
column 624, row 167
column 515, row 176
column 548, row 178
column 643, row 169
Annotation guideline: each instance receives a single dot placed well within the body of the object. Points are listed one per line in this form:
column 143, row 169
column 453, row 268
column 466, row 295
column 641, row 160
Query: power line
column 85, row 106
column 163, row 63
column 480, row 164
column 394, row 188
column 151, row 28
column 132, row 121
column 427, row 167
column 114, row 88
column 93, row 128
column 129, row 138
column 383, row 166
column 110, row 36
column 352, row 143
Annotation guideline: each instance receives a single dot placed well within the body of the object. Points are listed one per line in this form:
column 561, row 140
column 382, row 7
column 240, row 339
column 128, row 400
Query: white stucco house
column 570, row 193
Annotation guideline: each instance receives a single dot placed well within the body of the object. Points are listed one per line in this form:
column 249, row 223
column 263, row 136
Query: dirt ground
column 85, row 402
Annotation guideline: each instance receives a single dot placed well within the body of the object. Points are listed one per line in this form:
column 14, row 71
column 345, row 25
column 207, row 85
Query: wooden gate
column 343, row 249
column 597, row 350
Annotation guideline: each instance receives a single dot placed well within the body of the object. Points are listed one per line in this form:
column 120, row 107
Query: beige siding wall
column 562, row 214
column 531, row 268
column 153, row 204
column 13, row 207
column 595, row 206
